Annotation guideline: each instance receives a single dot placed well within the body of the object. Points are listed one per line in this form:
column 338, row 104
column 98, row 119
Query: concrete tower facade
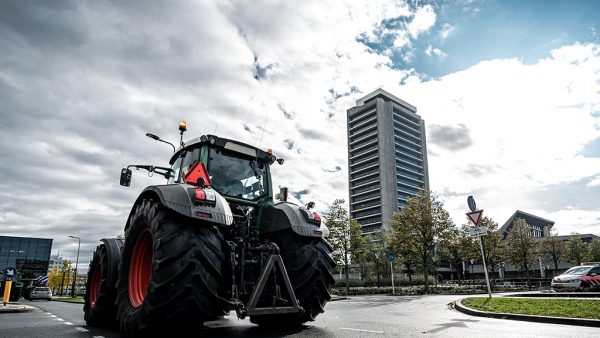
column 387, row 158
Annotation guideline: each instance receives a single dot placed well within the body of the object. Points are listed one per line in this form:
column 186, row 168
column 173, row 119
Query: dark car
column 41, row 292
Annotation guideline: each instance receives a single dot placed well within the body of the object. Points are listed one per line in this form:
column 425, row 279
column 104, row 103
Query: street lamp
column 76, row 263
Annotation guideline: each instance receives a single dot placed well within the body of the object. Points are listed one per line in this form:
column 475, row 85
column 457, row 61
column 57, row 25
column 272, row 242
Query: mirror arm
column 165, row 172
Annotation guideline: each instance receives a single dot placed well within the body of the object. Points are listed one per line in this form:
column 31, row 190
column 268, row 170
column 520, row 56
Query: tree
column 419, row 226
column 405, row 251
column 345, row 235
column 520, row 249
column 576, row 249
column 552, row 249
column 452, row 248
column 593, row 251
column 492, row 245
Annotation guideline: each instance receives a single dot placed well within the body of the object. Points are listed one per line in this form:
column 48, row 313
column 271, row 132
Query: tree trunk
column 426, row 272
column 377, row 270
column 528, row 277
column 347, row 277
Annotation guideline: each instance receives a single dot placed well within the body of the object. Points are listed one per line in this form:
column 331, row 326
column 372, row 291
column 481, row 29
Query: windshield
column 577, row 270
column 183, row 164
column 237, row 176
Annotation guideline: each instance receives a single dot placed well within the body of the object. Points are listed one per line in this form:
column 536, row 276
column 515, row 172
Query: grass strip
column 70, row 300
column 569, row 308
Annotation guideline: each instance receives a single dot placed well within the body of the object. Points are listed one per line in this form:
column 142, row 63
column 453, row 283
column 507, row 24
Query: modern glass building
column 30, row 256
column 387, row 158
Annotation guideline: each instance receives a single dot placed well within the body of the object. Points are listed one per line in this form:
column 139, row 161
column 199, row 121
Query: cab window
column 238, row 176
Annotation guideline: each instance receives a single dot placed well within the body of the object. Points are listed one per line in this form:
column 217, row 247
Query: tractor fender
column 113, row 249
column 178, row 198
column 285, row 215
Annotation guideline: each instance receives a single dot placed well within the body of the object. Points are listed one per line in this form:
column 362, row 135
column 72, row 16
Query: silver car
column 41, row 293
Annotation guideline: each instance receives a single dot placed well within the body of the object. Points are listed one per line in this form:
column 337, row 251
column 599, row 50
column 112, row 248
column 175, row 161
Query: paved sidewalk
column 11, row 307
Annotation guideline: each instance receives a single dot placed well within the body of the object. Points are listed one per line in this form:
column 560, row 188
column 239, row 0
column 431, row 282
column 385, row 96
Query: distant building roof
column 529, row 218
column 386, row 96
column 584, row 237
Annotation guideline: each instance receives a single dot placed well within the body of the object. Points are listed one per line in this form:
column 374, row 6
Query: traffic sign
column 475, row 216
column 391, row 256
column 471, row 203
column 10, row 273
column 478, row 231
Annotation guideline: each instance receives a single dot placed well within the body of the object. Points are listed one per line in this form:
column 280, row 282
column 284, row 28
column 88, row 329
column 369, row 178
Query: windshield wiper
column 253, row 166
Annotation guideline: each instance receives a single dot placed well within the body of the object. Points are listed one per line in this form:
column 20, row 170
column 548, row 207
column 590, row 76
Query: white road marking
column 60, row 319
column 53, row 316
column 81, row 329
column 98, row 336
column 48, row 313
column 360, row 330
column 68, row 323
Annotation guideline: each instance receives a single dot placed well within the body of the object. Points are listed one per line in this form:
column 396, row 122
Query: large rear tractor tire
column 310, row 266
column 170, row 273
column 99, row 299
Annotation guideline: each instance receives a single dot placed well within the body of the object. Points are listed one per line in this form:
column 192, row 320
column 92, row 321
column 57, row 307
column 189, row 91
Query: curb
column 458, row 305
column 13, row 308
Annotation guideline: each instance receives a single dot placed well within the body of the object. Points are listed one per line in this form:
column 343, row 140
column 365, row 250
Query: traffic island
column 460, row 306
column 15, row 307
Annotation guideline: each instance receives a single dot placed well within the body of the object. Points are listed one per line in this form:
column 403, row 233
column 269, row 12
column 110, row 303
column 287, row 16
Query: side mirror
column 125, row 177
column 310, row 205
column 282, row 195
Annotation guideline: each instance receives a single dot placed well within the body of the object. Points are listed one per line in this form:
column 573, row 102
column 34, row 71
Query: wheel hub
column 140, row 269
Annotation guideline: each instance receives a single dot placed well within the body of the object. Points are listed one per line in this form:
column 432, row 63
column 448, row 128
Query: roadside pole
column 475, row 216
column 392, row 257
column 487, row 279
column 9, row 274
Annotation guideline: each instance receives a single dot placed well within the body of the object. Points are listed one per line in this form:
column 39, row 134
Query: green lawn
column 573, row 308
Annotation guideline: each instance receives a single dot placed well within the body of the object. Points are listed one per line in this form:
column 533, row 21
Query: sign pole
column 392, row 269
column 487, row 279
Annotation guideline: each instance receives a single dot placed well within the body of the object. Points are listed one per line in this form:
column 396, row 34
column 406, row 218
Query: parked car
column 578, row 276
column 41, row 293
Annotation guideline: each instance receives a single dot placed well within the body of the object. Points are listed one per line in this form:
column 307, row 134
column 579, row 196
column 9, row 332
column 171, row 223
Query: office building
column 30, row 256
column 387, row 158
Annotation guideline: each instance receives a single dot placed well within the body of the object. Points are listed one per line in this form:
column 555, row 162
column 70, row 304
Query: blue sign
column 391, row 256
column 10, row 273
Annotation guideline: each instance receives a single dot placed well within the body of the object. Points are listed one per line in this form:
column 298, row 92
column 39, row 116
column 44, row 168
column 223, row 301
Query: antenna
column 263, row 130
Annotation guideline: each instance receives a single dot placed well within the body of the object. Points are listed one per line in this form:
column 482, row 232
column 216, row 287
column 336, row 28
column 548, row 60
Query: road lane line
column 80, row 329
column 53, row 316
column 98, row 336
column 48, row 313
column 68, row 323
column 360, row 330
column 60, row 319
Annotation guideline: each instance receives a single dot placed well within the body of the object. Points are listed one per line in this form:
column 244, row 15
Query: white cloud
column 128, row 71
column 595, row 182
column 447, row 29
column 424, row 19
column 435, row 51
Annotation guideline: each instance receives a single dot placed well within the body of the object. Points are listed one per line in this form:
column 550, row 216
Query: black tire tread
column 310, row 266
column 104, row 314
column 186, row 273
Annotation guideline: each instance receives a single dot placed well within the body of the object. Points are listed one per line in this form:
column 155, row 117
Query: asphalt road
column 368, row 316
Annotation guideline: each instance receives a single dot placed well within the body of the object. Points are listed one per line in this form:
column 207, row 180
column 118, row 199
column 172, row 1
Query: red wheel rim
column 140, row 269
column 95, row 286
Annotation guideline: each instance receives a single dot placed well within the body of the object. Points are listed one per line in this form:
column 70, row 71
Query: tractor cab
column 239, row 172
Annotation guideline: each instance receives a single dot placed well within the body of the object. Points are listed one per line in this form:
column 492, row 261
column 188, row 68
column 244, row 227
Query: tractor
column 212, row 240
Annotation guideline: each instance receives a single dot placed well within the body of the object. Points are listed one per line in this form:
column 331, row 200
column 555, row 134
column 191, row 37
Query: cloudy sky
column 510, row 93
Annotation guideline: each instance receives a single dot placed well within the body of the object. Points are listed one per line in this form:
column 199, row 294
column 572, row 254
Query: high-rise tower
column 387, row 158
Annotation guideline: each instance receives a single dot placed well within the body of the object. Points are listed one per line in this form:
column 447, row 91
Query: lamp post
column 76, row 263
